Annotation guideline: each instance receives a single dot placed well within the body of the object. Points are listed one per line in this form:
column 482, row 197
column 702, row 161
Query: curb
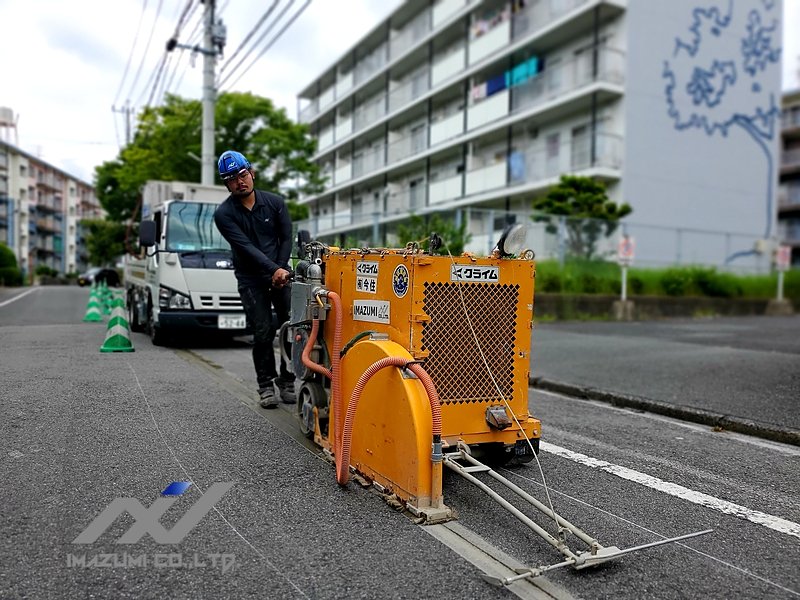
column 759, row 429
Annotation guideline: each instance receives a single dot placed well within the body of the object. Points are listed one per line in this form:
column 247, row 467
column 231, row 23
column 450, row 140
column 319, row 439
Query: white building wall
column 702, row 96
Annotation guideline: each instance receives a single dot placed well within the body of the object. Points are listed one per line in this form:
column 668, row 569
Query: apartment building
column 471, row 109
column 789, row 190
column 41, row 208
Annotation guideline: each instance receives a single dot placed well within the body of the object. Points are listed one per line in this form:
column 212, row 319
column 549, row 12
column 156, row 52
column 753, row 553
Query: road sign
column 783, row 258
column 625, row 250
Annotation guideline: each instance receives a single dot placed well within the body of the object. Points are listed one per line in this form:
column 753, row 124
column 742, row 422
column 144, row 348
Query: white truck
column 182, row 281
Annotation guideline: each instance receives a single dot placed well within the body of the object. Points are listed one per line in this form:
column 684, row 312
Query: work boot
column 269, row 397
column 284, row 389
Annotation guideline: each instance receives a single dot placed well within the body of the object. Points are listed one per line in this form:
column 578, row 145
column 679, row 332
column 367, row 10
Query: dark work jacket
column 261, row 238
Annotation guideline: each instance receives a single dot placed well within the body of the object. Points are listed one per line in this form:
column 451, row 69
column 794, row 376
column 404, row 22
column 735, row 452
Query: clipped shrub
column 548, row 281
column 589, row 283
column 10, row 276
column 718, row 285
column 636, row 284
column 45, row 271
column 675, row 282
column 7, row 258
column 9, row 271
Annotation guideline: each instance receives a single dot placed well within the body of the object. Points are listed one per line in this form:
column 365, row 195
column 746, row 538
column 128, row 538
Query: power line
column 221, row 81
column 130, row 56
column 252, row 32
column 274, row 39
column 192, row 40
column 147, row 47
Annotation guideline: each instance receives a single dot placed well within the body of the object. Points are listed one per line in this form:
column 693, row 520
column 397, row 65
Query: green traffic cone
column 117, row 339
column 93, row 311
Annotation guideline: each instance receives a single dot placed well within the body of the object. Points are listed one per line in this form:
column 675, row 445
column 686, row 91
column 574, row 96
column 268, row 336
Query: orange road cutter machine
column 408, row 362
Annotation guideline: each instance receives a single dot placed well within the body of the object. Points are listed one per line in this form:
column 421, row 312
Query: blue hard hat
column 231, row 163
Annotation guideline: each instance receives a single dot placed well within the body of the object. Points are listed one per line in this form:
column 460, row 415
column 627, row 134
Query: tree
column 590, row 212
column 9, row 271
column 712, row 88
column 168, row 142
column 419, row 230
column 105, row 240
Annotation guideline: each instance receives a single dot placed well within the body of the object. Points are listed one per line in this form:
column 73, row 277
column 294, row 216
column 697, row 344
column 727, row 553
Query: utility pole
column 209, row 96
column 126, row 110
column 213, row 43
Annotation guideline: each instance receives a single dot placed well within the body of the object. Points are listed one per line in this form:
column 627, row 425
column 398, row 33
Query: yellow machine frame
column 467, row 321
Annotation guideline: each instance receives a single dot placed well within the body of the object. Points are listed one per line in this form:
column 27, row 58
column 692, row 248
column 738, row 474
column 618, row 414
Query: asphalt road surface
column 81, row 429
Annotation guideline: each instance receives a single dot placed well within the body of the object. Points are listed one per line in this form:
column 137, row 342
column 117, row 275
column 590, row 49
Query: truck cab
column 182, row 282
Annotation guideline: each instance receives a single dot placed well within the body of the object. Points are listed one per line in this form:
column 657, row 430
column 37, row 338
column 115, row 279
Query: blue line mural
column 712, row 89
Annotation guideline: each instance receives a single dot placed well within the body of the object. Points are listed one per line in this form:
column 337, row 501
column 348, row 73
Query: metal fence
column 564, row 238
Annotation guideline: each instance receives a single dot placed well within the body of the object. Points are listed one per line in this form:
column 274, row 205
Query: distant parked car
column 99, row 275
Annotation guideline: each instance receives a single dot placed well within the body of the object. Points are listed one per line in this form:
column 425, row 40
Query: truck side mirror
column 303, row 238
column 147, row 233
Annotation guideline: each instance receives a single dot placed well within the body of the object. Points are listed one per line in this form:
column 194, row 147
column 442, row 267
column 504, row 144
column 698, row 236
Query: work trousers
column 258, row 303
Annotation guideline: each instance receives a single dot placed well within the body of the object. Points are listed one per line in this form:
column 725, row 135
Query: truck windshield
column 191, row 228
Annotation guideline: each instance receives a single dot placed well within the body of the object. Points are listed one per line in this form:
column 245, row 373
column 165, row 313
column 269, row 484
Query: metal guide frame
column 595, row 554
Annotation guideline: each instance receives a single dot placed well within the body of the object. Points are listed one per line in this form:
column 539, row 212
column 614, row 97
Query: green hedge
column 10, row 274
column 601, row 277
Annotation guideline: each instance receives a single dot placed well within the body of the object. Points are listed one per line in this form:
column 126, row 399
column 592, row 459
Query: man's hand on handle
column 280, row 278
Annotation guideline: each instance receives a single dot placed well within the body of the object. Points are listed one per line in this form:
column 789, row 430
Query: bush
column 45, row 271
column 717, row 285
column 9, row 271
column 636, row 284
column 7, row 258
column 675, row 282
column 10, row 276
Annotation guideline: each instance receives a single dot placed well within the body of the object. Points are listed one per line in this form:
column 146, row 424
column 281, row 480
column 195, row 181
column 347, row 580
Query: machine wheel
column 493, row 454
column 133, row 314
column 157, row 336
column 311, row 394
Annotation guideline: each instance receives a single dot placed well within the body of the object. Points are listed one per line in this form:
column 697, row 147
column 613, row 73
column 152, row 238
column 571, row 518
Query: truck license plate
column 232, row 322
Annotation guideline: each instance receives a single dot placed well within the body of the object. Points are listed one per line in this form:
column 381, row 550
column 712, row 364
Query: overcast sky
column 64, row 65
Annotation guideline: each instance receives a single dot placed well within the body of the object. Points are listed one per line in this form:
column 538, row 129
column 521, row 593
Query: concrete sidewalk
column 738, row 373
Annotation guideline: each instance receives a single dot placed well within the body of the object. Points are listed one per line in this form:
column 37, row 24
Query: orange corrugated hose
column 343, row 452
column 312, row 338
column 336, row 361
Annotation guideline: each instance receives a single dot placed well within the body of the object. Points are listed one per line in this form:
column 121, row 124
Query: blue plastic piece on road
column 176, row 488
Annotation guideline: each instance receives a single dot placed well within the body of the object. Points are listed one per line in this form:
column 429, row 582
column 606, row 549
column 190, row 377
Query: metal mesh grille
column 454, row 363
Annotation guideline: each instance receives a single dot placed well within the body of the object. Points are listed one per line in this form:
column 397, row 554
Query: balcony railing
column 369, row 112
column 789, row 195
column 791, row 158
column 368, row 161
column 564, row 78
column 406, row 92
column 538, row 15
column 533, row 165
column 790, row 119
column 416, row 29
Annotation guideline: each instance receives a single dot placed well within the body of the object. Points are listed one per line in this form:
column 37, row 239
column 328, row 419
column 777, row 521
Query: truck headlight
column 168, row 298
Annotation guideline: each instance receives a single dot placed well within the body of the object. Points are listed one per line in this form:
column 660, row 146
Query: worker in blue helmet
column 258, row 227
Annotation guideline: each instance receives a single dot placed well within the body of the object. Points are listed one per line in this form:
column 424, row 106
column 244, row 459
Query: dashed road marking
column 673, row 489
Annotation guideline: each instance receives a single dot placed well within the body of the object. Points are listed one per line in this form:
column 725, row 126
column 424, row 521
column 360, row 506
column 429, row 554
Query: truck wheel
column 133, row 314
column 157, row 336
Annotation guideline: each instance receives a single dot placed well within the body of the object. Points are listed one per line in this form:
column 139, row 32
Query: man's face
column 241, row 184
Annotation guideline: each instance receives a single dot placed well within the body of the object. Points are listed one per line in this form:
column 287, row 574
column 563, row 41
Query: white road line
column 744, row 572
column 22, row 295
column 673, row 489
